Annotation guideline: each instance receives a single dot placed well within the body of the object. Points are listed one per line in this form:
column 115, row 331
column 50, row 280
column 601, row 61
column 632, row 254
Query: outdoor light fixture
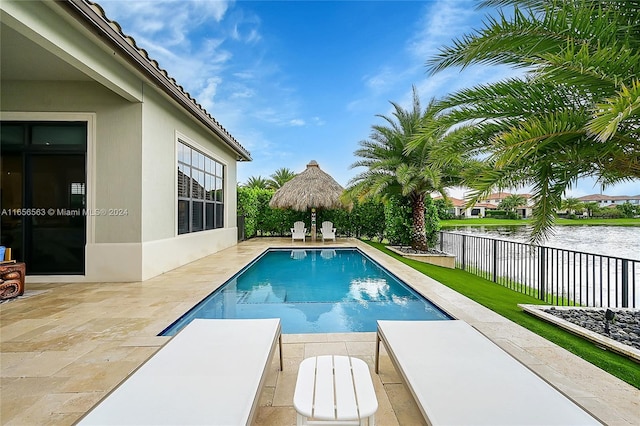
column 609, row 315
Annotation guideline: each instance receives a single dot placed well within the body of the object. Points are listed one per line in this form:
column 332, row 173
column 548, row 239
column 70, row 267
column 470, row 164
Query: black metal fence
column 557, row 276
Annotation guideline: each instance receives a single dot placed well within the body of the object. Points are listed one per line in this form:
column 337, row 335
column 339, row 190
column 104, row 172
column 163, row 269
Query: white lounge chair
column 299, row 231
column 210, row 373
column 459, row 377
column 328, row 231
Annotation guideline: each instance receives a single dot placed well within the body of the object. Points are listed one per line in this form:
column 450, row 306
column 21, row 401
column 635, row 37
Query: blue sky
column 296, row 81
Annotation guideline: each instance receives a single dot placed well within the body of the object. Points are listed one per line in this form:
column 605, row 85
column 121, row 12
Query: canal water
column 615, row 241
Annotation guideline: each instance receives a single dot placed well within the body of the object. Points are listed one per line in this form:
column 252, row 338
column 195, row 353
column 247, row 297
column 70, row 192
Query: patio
column 65, row 346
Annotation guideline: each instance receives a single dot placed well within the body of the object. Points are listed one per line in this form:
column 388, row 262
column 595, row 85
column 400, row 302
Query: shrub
column 431, row 222
column 398, row 221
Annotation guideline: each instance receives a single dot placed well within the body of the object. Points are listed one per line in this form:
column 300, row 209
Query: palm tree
column 592, row 207
column 575, row 114
column 572, row 204
column 393, row 169
column 510, row 202
column 280, row 177
column 257, row 182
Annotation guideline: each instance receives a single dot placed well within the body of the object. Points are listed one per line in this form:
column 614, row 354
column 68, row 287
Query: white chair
column 335, row 390
column 299, row 231
column 212, row 372
column 328, row 231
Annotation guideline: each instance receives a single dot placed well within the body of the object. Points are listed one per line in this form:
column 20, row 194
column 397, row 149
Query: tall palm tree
column 280, row 177
column 391, row 168
column 257, row 182
column 575, row 114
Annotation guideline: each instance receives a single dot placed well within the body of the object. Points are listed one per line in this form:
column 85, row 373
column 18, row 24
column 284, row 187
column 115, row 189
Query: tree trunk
column 418, row 237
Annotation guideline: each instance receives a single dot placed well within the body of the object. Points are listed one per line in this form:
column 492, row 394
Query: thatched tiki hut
column 310, row 189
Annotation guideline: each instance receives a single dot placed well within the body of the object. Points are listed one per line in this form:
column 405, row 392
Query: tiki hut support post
column 311, row 189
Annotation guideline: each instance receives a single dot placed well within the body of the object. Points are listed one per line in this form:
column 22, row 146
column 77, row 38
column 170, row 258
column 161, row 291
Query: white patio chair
column 299, row 231
column 328, row 231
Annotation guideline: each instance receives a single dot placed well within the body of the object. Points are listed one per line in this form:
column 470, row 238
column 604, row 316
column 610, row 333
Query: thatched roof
column 311, row 188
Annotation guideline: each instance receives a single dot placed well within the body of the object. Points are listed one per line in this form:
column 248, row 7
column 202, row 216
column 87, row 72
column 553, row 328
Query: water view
column 583, row 265
column 616, row 241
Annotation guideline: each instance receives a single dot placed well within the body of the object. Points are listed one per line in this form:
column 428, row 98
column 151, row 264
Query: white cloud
column 243, row 93
column 297, row 122
column 442, row 21
column 207, row 94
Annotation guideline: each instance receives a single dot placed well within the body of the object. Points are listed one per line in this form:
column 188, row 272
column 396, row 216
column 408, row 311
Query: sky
column 295, row 81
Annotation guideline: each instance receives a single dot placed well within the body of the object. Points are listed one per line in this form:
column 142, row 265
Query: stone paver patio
column 64, row 346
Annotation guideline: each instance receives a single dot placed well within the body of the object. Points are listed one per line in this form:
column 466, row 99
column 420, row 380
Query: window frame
column 197, row 191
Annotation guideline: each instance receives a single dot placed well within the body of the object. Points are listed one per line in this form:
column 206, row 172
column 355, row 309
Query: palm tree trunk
column 418, row 237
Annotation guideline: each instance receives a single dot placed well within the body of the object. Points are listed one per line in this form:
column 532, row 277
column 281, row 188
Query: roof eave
column 142, row 63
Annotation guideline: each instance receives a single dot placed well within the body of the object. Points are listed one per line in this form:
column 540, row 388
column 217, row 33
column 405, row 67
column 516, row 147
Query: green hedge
column 369, row 219
column 366, row 219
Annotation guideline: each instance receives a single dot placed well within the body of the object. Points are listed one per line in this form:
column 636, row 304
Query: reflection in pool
column 314, row 291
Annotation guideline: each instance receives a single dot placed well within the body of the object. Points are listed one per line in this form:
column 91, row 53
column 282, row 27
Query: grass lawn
column 505, row 302
column 522, row 222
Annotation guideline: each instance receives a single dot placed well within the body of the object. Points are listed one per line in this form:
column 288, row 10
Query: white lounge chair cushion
column 209, row 373
column 459, row 377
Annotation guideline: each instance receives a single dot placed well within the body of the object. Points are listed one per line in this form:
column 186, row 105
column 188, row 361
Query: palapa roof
column 311, row 188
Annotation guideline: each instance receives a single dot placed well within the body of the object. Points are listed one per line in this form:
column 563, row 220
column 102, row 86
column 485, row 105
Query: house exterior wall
column 163, row 248
column 131, row 154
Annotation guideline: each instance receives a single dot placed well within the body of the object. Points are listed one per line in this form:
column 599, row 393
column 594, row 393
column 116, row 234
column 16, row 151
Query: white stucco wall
column 163, row 249
column 131, row 161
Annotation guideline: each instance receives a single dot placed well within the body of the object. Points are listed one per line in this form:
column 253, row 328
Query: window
column 200, row 191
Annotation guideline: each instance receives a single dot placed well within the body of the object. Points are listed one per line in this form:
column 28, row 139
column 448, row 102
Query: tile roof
column 92, row 14
column 602, row 197
column 501, row 195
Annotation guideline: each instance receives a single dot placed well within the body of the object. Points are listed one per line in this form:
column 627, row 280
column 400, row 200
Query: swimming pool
column 314, row 291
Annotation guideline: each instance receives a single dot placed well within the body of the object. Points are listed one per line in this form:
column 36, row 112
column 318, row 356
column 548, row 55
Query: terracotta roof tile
column 154, row 65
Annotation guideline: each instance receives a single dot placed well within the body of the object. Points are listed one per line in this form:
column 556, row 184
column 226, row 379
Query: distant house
column 524, row 211
column 610, row 200
column 489, row 203
column 110, row 170
column 458, row 209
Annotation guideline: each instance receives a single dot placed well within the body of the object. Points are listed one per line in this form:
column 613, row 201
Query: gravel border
column 624, row 329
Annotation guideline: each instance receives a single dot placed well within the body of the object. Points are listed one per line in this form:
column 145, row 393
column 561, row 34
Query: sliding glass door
column 44, row 195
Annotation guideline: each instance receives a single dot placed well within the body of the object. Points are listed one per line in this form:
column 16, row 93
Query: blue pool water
column 314, row 291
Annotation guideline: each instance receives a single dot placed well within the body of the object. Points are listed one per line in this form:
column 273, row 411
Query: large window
column 200, row 191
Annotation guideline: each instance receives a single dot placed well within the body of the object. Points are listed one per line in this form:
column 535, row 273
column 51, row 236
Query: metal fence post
column 542, row 271
column 625, row 283
column 495, row 261
column 464, row 252
column 441, row 241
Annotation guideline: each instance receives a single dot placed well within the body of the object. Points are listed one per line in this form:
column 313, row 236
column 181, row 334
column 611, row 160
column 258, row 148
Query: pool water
column 314, row 291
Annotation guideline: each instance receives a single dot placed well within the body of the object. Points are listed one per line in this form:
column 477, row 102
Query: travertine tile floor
column 66, row 345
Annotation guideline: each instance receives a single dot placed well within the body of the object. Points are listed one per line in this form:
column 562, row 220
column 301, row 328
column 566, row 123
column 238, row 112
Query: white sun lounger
column 210, row 373
column 459, row 377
